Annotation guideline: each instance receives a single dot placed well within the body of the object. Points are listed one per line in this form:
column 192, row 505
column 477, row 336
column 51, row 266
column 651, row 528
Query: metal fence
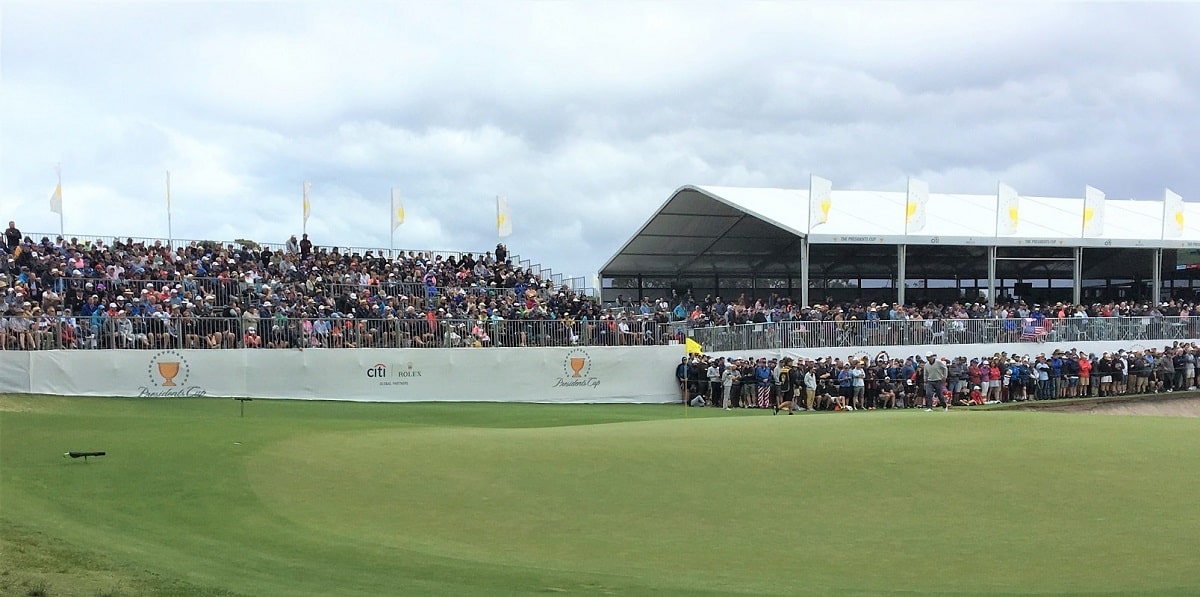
column 814, row 334
column 122, row 331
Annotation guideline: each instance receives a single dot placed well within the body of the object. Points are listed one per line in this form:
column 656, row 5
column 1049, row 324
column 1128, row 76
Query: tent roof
column 710, row 228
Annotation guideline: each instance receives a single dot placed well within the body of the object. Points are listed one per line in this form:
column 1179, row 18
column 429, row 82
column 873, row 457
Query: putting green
column 303, row 498
column 960, row 503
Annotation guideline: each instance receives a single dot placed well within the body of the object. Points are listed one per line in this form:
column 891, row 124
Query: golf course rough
column 323, row 498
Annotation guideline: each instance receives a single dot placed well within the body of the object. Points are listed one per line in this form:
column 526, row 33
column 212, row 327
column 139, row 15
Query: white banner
column 1093, row 212
column 820, row 199
column 1008, row 214
column 563, row 375
column 1172, row 215
column 914, row 210
column 397, row 210
column 14, row 372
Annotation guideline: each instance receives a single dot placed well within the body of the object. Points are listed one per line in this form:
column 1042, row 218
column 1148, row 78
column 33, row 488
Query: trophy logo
column 168, row 369
column 577, row 364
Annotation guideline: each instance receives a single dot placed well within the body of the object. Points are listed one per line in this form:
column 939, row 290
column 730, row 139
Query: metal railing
column 130, row 332
column 814, row 334
column 124, row 331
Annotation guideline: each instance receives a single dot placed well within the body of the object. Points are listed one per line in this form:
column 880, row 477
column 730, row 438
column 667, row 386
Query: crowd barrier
column 123, row 332
column 918, row 351
column 547, row 375
column 50, row 331
column 783, row 335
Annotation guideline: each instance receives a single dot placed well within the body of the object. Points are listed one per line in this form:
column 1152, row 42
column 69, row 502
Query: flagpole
column 170, row 234
column 58, row 171
column 392, row 223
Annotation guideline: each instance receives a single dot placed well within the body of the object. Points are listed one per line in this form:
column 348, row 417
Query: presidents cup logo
column 168, row 373
column 577, row 369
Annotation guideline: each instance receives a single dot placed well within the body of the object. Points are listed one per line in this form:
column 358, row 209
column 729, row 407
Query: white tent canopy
column 709, row 224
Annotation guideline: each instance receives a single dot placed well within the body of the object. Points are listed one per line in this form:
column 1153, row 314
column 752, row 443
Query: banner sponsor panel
column 560, row 375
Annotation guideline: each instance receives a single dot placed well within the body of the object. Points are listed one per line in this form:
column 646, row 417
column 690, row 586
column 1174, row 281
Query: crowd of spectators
column 932, row 381
column 713, row 311
column 72, row 293
column 95, row 294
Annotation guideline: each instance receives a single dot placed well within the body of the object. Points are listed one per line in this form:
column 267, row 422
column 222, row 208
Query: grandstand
column 909, row 247
column 152, row 293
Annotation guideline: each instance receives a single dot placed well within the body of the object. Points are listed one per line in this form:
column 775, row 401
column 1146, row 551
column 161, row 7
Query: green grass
column 323, row 498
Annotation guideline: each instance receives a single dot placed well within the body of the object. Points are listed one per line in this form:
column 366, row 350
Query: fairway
column 324, row 498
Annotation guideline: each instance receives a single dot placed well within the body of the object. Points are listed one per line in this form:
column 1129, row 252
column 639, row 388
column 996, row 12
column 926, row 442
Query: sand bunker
column 1159, row 405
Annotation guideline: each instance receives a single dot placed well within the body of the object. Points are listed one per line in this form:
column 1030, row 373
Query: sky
column 586, row 116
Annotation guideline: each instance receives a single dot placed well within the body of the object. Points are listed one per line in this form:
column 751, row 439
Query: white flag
column 397, row 210
column 1008, row 210
column 1172, row 215
column 820, row 199
column 503, row 221
column 1093, row 212
column 306, row 207
column 914, row 210
column 56, row 200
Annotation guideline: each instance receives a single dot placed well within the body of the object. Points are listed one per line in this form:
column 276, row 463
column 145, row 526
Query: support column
column 901, row 267
column 804, row 265
column 1156, row 277
column 1077, row 277
column 991, row 274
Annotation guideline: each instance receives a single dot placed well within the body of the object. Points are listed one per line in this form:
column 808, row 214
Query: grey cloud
column 585, row 116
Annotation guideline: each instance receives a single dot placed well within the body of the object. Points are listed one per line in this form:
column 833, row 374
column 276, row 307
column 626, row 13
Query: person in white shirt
column 727, row 377
column 714, row 381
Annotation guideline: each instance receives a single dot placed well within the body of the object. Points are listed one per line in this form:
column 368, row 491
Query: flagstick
column 392, row 224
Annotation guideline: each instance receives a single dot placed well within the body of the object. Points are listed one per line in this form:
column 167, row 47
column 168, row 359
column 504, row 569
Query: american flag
column 1033, row 333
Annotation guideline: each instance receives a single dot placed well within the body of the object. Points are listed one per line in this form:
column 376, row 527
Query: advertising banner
column 561, row 374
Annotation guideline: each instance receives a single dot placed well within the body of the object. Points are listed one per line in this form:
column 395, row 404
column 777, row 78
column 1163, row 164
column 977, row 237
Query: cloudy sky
column 586, row 116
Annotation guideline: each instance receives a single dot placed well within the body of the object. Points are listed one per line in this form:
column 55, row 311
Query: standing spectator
column 305, row 248
column 12, row 236
column 934, row 372
column 1043, row 377
column 501, row 253
column 810, row 385
column 857, row 383
column 293, row 246
column 681, row 371
column 727, row 376
column 714, row 381
column 1085, row 375
column 763, row 383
